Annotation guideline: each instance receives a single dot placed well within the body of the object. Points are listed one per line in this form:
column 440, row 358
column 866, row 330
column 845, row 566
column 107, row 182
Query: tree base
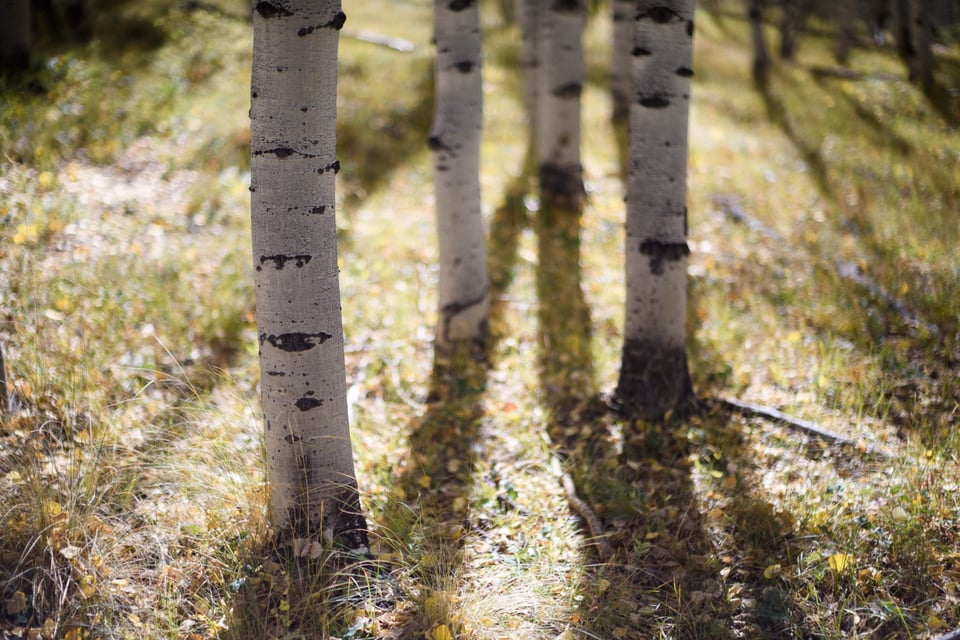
column 654, row 382
column 562, row 186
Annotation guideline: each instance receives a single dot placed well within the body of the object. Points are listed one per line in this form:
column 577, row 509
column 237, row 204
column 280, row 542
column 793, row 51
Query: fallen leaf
column 440, row 632
column 839, row 562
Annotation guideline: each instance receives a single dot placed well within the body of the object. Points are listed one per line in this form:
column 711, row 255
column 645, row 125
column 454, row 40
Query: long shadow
column 779, row 114
column 373, row 141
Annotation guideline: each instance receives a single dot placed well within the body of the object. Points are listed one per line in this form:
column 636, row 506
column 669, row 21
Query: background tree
column 313, row 488
column 559, row 29
column 620, row 60
column 14, row 34
column 761, row 58
column 455, row 141
column 654, row 378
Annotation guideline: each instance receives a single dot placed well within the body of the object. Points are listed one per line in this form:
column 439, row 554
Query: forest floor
column 824, row 282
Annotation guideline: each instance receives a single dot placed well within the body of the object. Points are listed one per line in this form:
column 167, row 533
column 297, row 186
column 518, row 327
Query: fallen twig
column 852, row 271
column 799, row 424
column 597, row 535
column 4, row 398
column 397, row 44
column 732, row 209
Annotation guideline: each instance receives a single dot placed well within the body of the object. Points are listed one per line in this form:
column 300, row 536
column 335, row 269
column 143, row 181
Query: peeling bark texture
column 14, row 35
column 620, row 62
column 313, row 487
column 559, row 85
column 653, row 376
column 455, row 141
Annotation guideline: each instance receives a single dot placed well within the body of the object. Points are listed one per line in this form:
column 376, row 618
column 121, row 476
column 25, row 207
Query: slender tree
column 921, row 25
column 620, row 61
column 455, row 141
column 4, row 397
column 846, row 16
column 654, row 378
column 559, row 87
column 314, row 498
column 529, row 12
column 14, row 34
column 761, row 59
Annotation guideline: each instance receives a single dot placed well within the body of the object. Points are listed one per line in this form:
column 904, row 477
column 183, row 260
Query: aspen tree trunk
column 654, row 378
column 455, row 141
column 313, row 489
column 529, row 13
column 620, row 63
column 14, row 34
column 559, row 86
column 4, row 397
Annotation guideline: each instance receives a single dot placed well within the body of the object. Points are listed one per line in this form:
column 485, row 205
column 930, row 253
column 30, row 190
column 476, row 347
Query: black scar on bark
column 656, row 101
column 333, row 166
column 640, row 51
column 436, row 144
column 305, row 404
column 663, row 251
column 319, row 209
column 654, row 380
column 280, row 261
column 460, row 5
column 294, row 342
column 269, row 10
column 660, row 15
column 562, row 185
column 684, row 72
column 567, row 6
column 689, row 27
column 464, row 67
column 291, row 438
column 279, row 374
column 568, row 91
column 336, row 23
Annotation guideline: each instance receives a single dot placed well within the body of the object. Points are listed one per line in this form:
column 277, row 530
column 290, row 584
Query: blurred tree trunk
column 794, row 15
column 314, row 499
column 455, row 141
column 559, row 87
column 620, row 62
column 761, row 59
column 529, row 12
column 14, row 35
column 654, row 379
column 846, row 16
column 921, row 24
column 902, row 31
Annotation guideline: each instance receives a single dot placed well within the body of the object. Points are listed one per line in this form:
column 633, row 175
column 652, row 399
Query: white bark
column 455, row 141
column 653, row 376
column 621, row 59
column 529, row 12
column 313, row 489
column 559, row 87
column 14, row 34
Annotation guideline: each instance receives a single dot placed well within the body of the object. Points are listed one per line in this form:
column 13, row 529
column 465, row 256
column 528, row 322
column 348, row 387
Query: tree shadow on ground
column 373, row 140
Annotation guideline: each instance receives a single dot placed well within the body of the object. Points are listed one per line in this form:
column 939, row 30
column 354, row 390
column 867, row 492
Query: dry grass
column 131, row 473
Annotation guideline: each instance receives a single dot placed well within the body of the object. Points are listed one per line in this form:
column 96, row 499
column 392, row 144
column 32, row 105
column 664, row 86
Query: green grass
column 131, row 472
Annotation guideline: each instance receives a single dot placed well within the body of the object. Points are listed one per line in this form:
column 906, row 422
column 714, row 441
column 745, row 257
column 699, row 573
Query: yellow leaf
column 772, row 571
column 88, row 586
column 899, row 514
column 52, row 509
column 16, row 603
column 49, row 629
column 602, row 585
column 729, row 483
column 794, row 337
column 839, row 562
column 441, row 632
column 424, row 481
